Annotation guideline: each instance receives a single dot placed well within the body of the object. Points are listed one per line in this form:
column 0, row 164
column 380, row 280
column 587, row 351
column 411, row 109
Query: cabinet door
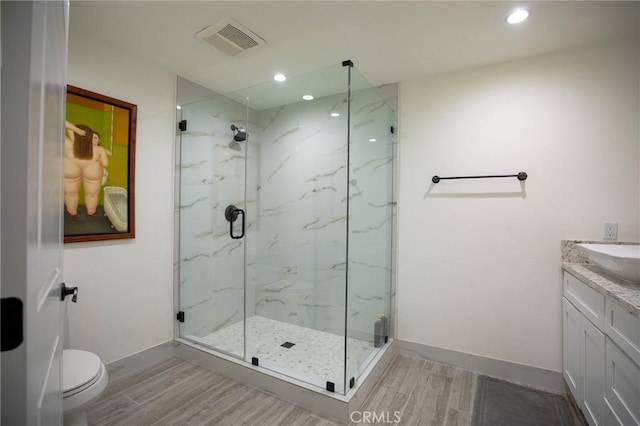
column 622, row 388
column 593, row 372
column 610, row 417
column 571, row 342
column 623, row 328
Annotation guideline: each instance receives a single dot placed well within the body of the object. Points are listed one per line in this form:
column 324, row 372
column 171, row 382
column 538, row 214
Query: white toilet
column 84, row 378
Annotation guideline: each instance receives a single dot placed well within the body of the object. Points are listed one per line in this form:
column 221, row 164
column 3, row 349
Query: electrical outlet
column 610, row 231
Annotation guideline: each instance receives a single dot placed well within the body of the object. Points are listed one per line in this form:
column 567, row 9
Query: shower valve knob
column 69, row 291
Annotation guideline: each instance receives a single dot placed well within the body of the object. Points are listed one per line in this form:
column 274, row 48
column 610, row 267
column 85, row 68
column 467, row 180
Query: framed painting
column 99, row 167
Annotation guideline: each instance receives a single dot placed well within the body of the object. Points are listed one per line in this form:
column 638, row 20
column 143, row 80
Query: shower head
column 239, row 135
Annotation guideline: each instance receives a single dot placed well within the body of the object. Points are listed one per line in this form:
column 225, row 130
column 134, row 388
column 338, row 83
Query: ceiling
column 389, row 41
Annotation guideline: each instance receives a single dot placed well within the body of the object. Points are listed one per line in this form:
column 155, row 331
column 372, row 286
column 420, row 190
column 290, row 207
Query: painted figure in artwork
column 84, row 164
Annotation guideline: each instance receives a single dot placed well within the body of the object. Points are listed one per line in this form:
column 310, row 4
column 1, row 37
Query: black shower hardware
column 231, row 214
column 521, row 176
column 69, row 291
column 239, row 135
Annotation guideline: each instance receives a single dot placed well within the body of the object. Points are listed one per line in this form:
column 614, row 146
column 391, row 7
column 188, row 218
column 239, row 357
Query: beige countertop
column 625, row 293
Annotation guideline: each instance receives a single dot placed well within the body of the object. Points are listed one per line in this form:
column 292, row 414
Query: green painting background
column 101, row 122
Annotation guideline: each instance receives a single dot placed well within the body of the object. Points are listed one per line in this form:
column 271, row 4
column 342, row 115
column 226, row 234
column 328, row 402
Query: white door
column 34, row 61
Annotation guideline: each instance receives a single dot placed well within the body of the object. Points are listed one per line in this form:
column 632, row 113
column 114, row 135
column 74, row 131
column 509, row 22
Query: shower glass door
column 297, row 242
column 212, row 221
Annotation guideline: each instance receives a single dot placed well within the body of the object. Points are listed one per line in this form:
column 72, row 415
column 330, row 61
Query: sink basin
column 622, row 261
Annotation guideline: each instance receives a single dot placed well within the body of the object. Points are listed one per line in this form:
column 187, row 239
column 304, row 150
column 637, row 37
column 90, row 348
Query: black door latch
column 66, row 291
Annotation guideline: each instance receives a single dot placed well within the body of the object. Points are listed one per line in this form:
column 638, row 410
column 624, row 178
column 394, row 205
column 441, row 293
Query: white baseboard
column 141, row 359
column 534, row 377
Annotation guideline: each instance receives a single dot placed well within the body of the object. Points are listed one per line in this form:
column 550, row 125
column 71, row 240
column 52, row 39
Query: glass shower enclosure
column 284, row 210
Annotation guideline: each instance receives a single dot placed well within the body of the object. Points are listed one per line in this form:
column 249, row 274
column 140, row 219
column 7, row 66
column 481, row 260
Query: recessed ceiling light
column 335, row 114
column 178, row 106
column 279, row 77
column 372, row 140
column 518, row 16
column 307, row 97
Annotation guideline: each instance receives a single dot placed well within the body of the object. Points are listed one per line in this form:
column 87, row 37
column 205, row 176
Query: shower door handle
column 234, row 213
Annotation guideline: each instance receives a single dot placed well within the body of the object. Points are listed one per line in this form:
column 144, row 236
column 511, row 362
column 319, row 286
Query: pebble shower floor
column 316, row 356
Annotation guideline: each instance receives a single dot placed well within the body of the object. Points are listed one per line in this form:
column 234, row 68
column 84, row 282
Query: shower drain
column 287, row 345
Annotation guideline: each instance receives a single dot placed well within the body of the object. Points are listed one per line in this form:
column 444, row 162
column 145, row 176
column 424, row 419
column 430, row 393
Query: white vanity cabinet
column 622, row 355
column 601, row 355
column 584, row 347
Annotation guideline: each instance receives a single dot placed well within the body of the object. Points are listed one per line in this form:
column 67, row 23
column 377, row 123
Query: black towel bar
column 520, row 176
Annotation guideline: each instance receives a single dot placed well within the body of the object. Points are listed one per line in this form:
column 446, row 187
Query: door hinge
column 180, row 316
column 392, row 130
column 12, row 323
column 182, row 125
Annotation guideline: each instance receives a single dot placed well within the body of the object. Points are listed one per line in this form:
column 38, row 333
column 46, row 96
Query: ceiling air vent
column 229, row 37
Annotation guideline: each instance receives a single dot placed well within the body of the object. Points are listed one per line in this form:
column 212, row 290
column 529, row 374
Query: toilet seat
column 81, row 370
column 84, row 379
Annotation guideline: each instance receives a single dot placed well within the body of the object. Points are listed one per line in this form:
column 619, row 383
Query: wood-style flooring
column 176, row 392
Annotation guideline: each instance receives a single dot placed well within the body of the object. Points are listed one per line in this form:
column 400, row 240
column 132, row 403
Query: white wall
column 479, row 261
column 125, row 300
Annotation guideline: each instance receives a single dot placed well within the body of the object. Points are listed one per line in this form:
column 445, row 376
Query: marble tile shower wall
column 300, row 254
column 294, row 253
column 212, row 175
column 302, row 214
